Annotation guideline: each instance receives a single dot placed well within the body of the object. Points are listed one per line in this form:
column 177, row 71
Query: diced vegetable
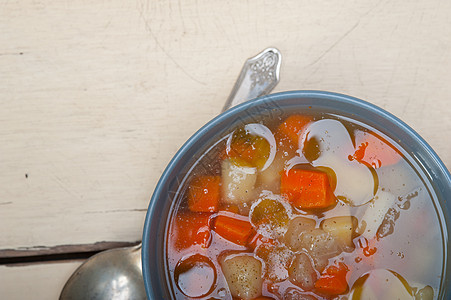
column 320, row 245
column 320, row 262
column 343, row 228
column 257, row 239
column 331, row 285
column 307, row 189
column 232, row 208
column 398, row 180
column 276, row 258
column 191, row 229
column 233, row 229
column 296, row 227
column 254, row 144
column 204, row 194
column 269, row 211
column 293, row 127
column 333, row 281
column 375, row 151
column 252, row 148
column 302, row 273
column 295, row 294
column 238, row 181
column 270, row 215
column 243, row 274
column 270, row 177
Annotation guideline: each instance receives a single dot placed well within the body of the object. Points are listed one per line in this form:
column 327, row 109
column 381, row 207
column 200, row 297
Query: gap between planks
column 41, row 254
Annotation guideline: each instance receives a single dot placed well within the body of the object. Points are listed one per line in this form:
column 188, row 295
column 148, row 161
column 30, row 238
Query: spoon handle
column 259, row 76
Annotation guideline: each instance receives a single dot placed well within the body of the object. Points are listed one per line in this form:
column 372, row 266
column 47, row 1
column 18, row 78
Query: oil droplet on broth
column 355, row 182
column 381, row 284
column 195, row 276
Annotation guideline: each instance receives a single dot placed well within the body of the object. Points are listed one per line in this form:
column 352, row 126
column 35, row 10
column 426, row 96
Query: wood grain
column 97, row 96
column 43, row 281
column 8, row 256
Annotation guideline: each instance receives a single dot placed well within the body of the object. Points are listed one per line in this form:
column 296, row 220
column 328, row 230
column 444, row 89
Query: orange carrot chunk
column 233, row 229
column 257, row 239
column 293, row 126
column 191, row 229
column 204, row 194
column 375, row 151
column 333, row 281
column 307, row 189
column 330, row 285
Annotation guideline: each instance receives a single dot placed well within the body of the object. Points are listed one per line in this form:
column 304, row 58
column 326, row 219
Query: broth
column 304, row 207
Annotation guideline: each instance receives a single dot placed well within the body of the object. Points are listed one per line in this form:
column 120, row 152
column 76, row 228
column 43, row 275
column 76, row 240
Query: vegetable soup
column 304, row 206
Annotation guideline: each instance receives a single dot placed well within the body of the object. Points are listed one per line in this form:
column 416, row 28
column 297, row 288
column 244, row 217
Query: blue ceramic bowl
column 423, row 158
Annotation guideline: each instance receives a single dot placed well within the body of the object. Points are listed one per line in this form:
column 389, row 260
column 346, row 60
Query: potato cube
column 292, row 237
column 342, row 228
column 238, row 181
column 302, row 273
column 243, row 274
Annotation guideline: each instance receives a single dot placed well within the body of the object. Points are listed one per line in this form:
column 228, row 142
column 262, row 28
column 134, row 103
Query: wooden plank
column 40, row 281
column 97, row 97
column 26, row 253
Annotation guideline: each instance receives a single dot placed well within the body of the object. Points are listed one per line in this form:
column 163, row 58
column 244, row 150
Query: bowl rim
column 313, row 94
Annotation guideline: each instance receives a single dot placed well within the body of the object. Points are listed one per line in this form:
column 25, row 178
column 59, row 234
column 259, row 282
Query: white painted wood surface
column 42, row 281
column 96, row 97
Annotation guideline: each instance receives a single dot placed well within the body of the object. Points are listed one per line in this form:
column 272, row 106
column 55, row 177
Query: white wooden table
column 96, row 97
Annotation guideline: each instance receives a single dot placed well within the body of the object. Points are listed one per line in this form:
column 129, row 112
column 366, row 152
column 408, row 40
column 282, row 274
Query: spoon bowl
column 112, row 274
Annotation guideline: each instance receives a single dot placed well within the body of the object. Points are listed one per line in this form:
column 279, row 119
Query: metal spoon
column 117, row 273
